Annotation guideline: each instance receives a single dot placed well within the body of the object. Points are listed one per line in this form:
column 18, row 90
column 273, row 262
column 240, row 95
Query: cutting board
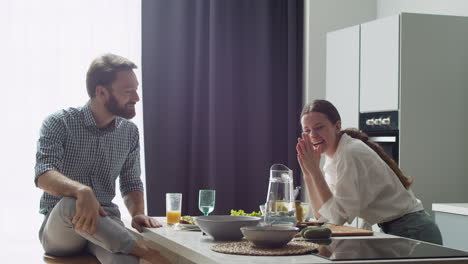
column 347, row 231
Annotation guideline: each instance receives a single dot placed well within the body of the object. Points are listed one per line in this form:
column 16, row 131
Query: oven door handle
column 390, row 139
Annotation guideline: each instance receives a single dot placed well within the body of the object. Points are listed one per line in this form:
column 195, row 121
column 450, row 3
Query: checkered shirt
column 71, row 144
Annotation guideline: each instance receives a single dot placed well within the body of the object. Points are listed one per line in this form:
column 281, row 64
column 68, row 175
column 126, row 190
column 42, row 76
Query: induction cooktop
column 384, row 248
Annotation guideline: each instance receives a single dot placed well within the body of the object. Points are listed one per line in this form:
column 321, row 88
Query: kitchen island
column 183, row 247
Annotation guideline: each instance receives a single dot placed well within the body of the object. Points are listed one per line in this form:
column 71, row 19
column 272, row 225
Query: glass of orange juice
column 173, row 208
column 302, row 210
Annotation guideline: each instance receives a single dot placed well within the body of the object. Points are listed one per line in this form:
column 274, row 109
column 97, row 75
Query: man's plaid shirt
column 71, row 144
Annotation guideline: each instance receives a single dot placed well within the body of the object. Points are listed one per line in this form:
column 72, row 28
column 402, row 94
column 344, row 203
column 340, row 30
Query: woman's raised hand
column 307, row 156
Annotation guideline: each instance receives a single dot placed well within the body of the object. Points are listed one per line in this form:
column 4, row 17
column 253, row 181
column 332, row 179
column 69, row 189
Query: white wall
column 322, row 16
column 46, row 47
column 441, row 7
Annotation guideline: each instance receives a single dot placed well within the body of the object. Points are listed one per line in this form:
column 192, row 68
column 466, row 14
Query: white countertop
column 193, row 246
column 453, row 208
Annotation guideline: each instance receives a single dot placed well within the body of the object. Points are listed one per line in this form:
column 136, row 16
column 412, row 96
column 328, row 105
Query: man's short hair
column 103, row 71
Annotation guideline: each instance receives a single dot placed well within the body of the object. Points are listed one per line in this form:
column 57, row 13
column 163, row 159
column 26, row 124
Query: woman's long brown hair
column 330, row 111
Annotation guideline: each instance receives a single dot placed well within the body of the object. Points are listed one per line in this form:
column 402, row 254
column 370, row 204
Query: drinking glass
column 302, row 209
column 206, row 201
column 173, row 208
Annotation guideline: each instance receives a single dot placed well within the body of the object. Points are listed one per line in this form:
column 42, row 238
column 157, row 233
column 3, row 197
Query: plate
column 186, row 227
column 311, row 223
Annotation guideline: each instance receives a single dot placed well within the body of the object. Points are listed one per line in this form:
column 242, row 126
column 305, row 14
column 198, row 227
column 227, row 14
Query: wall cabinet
column 362, row 69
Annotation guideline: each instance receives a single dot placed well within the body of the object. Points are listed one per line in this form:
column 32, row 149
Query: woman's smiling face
column 323, row 133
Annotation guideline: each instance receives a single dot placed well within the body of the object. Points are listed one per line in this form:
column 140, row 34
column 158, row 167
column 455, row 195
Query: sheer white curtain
column 45, row 49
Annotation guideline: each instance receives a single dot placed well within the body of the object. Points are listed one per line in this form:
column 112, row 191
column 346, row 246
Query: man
column 80, row 154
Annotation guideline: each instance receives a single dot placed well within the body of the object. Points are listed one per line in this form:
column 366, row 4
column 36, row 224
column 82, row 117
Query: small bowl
column 269, row 236
column 225, row 227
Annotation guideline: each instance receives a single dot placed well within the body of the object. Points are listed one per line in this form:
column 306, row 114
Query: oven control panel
column 379, row 121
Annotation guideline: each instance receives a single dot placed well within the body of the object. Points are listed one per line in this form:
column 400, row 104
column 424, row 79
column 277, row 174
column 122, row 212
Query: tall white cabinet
column 417, row 64
column 343, row 61
column 379, row 67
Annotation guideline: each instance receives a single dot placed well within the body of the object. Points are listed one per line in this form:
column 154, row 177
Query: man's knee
column 122, row 245
column 67, row 206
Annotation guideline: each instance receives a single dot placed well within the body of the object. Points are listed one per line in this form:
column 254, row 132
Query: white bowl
column 225, row 227
column 269, row 236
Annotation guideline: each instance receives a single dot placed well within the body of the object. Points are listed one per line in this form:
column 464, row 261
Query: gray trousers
column 417, row 225
column 111, row 243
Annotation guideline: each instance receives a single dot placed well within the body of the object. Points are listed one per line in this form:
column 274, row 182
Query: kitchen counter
column 452, row 219
column 185, row 247
column 452, row 208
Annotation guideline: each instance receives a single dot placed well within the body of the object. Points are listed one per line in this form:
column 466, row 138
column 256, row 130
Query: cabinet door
column 342, row 74
column 453, row 229
column 380, row 65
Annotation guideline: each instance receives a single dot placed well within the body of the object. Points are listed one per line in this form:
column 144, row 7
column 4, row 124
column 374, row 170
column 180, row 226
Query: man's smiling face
column 123, row 95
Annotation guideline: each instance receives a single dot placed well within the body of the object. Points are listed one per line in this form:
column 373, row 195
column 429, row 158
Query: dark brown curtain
column 222, row 94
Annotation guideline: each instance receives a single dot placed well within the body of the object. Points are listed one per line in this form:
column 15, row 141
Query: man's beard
column 113, row 106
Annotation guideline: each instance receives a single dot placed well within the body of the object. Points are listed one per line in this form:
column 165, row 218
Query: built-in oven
column 382, row 128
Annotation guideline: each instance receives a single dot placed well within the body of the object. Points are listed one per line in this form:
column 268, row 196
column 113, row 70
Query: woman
column 360, row 179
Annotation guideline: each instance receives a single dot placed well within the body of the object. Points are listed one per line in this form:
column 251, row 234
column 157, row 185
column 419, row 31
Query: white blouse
column 364, row 186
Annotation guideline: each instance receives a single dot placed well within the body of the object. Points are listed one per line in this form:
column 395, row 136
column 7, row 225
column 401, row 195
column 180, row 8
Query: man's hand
column 141, row 220
column 88, row 210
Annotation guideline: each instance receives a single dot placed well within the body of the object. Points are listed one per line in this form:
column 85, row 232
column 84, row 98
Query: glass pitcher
column 280, row 207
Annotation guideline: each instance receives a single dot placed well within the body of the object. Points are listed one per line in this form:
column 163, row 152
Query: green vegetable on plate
column 242, row 213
